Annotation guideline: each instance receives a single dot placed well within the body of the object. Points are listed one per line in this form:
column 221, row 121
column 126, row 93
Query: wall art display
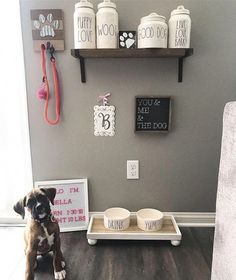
column 70, row 204
column 47, row 26
column 127, row 39
column 153, row 114
column 104, row 118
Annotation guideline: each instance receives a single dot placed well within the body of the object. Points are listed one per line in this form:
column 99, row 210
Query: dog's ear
column 19, row 207
column 50, row 193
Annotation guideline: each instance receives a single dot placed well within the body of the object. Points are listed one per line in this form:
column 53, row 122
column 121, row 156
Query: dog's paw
column 35, row 264
column 63, row 264
column 60, row 275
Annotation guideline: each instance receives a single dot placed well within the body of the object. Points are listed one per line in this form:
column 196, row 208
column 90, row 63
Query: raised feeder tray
column 169, row 231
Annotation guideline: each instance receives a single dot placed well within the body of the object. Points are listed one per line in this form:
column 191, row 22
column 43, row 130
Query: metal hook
column 51, row 50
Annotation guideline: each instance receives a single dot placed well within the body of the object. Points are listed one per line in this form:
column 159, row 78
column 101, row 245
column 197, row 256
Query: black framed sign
column 153, row 114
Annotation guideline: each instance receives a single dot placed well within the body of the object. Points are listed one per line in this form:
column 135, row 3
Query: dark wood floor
column 116, row 260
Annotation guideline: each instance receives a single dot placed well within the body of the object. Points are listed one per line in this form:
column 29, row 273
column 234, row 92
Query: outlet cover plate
column 132, row 169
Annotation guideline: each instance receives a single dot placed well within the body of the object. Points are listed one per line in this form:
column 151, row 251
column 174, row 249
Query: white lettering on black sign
column 152, row 113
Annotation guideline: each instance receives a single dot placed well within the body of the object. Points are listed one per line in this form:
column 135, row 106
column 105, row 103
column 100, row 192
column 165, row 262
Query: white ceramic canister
column 107, row 25
column 153, row 32
column 84, row 26
column 179, row 28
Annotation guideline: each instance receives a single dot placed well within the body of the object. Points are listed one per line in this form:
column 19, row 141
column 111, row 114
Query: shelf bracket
column 82, row 69
column 180, row 70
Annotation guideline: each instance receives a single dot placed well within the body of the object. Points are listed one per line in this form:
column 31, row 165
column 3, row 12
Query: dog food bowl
column 116, row 218
column 149, row 219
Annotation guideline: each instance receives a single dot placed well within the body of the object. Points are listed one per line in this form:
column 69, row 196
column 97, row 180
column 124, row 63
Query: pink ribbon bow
column 104, row 99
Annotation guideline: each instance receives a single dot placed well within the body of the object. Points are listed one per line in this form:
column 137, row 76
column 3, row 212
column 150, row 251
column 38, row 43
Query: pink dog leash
column 44, row 91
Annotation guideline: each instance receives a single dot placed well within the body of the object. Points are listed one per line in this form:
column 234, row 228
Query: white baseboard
column 189, row 219
column 183, row 219
column 194, row 219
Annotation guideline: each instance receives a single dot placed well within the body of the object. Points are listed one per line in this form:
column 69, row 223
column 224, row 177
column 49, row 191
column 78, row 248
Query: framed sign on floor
column 70, row 204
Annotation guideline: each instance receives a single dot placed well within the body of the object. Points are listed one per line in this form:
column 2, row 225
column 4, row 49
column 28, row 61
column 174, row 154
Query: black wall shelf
column 180, row 54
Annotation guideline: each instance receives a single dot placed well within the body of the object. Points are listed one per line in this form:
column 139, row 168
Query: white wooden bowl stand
column 170, row 231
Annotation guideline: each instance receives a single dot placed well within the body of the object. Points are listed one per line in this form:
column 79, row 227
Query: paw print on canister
column 127, row 39
column 47, row 25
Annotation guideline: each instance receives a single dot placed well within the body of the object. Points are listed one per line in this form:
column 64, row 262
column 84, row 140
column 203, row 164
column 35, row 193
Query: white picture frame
column 71, row 208
column 104, row 120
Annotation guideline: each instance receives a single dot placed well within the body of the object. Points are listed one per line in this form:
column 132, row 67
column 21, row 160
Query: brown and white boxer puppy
column 42, row 231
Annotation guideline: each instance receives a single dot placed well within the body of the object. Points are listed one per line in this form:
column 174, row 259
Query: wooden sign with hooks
column 47, row 27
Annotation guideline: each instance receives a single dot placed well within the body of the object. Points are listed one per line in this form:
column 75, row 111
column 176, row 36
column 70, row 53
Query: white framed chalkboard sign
column 70, row 204
column 152, row 114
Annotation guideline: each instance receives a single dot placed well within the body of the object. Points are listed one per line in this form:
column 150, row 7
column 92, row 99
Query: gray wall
column 178, row 171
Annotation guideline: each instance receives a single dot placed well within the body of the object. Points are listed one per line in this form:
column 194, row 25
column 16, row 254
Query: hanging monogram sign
column 104, row 118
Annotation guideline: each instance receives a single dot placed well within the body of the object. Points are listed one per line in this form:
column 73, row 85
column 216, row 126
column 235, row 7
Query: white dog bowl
column 149, row 219
column 116, row 218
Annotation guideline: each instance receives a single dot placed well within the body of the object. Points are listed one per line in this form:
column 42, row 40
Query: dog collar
column 49, row 217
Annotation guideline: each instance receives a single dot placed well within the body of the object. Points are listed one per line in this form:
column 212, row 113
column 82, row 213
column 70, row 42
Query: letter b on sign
column 104, row 120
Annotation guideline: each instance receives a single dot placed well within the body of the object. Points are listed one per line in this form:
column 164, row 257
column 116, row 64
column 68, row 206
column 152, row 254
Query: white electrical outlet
column 132, row 169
